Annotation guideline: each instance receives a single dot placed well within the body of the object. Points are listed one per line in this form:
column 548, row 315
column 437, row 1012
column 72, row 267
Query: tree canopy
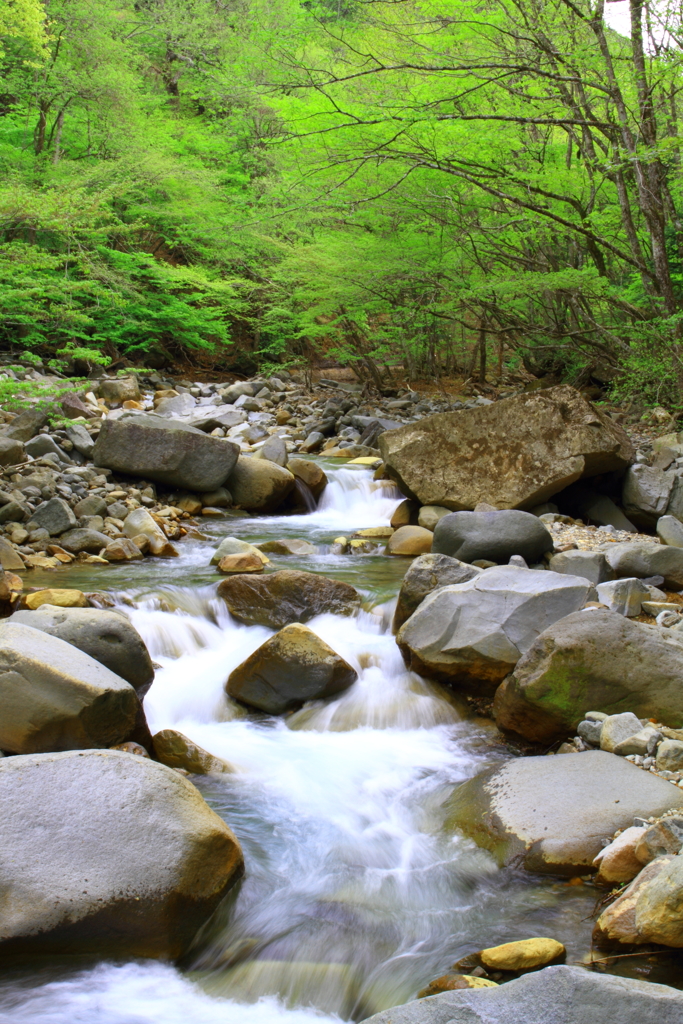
column 440, row 186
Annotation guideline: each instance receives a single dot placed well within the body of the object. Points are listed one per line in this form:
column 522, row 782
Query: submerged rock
column 552, row 814
column 107, row 854
column 515, row 453
column 472, row 634
column 286, row 596
column 291, row 667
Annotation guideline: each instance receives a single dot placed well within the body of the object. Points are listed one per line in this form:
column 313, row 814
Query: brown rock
column 451, row 982
column 618, row 922
column 405, row 514
column 311, row 473
column 287, row 596
column 122, row 550
column 515, row 453
column 240, row 562
column 410, row 541
column 174, row 749
column 291, row 667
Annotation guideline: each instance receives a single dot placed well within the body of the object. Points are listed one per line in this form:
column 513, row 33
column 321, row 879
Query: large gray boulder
column 554, row 814
column 291, row 667
column 555, row 995
column 107, row 854
column 106, row 636
column 592, row 660
column 286, row 596
column 631, row 558
column 55, row 697
column 646, row 492
column 495, row 536
column 257, row 485
column 515, row 453
column 425, row 574
column 168, row 451
column 472, row 634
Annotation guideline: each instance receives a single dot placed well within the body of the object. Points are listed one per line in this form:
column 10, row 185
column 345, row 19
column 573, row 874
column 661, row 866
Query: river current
column 354, row 895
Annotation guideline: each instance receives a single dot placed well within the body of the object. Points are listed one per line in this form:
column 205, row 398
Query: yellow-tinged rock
column 42, row 562
column 365, row 460
column 60, row 598
column 523, row 955
column 409, row 541
column 240, row 562
column 453, row 982
column 378, row 532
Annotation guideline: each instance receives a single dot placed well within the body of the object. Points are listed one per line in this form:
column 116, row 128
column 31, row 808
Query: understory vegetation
column 411, row 188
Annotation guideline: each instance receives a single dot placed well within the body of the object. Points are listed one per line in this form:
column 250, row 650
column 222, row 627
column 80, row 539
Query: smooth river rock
column 555, row 995
column 291, row 667
column 55, row 697
column 551, row 814
column 107, row 854
column 106, row 636
column 472, row 634
column 168, row 451
column 593, row 659
column 515, row 453
column 257, row 485
column 494, row 536
column 286, row 596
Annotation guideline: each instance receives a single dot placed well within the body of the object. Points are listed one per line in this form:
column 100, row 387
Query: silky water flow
column 354, row 895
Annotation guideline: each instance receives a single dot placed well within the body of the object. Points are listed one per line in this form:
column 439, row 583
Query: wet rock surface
column 287, row 596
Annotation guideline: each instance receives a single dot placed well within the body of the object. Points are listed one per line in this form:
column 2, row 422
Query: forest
column 411, row 188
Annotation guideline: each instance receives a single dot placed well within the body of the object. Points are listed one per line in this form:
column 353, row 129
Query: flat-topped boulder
column 515, row 453
column 167, row 451
column 554, row 814
column 286, row 596
column 107, row 854
column 472, row 634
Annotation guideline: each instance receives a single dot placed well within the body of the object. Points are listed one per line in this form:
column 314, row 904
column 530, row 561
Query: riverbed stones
column 90, row 541
column 618, row 728
column 410, row 541
column 670, row 756
column 119, row 389
column 257, row 485
column 287, row 596
column 288, row 546
column 107, row 854
column 80, row 439
column 104, row 635
column 553, row 814
column 646, row 492
column 515, row 453
column 176, row 750
column 10, row 559
column 167, row 451
column 429, row 516
column 240, row 562
column 425, row 574
column 55, row 516
column 139, row 523
column 592, row 659
column 55, row 697
column 291, row 667
column 623, row 596
column 472, row 634
column 644, row 560
column 93, row 505
column 493, row 535
column 617, row 923
column 561, row 995
column 523, row 955
column 60, row 597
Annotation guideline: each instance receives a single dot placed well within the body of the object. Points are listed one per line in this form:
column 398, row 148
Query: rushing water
column 354, row 896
